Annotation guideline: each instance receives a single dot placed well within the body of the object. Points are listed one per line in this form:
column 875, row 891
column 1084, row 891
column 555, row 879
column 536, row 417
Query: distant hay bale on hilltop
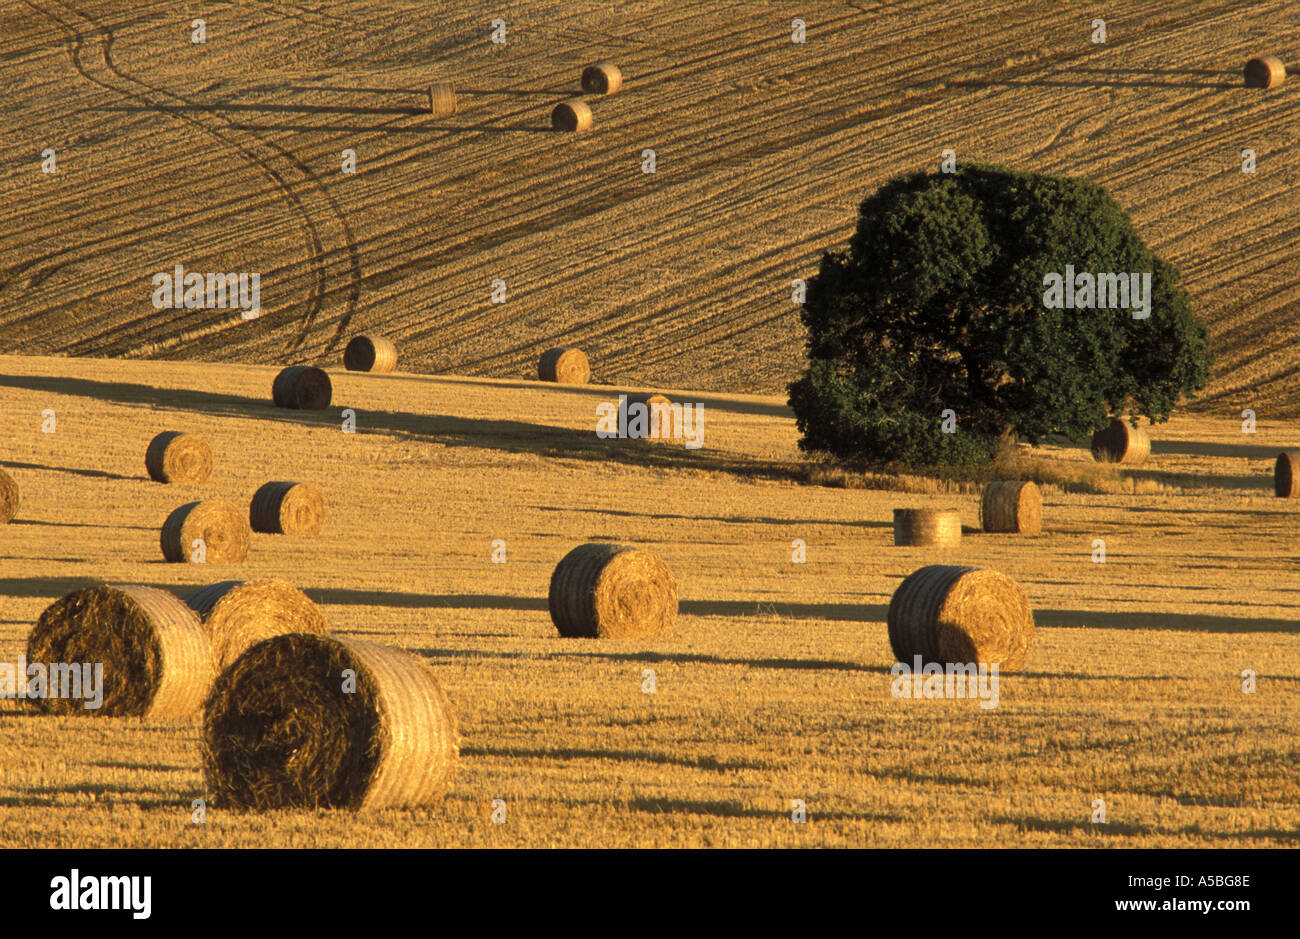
column 8, row 498
column 222, row 529
column 287, row 508
column 572, row 116
column 302, row 387
column 156, row 658
column 286, row 727
column 1121, row 442
column 442, row 99
column 611, row 591
column 175, row 457
column 946, row 613
column 927, row 527
column 565, row 365
column 1012, row 506
column 602, row 78
column 237, row 614
column 370, row 354
column 1265, row 71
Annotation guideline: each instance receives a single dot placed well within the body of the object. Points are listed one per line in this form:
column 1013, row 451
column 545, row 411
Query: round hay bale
column 285, row 727
column 237, row 614
column 8, row 498
column 611, row 591
column 302, row 387
column 370, row 354
column 603, row 78
column 217, row 523
column 174, row 457
column 572, row 116
column 924, row 527
column 442, row 99
column 565, row 365
column 1121, row 442
column 155, row 655
column 1012, row 506
column 1265, row 71
column 1285, row 475
column 946, row 613
column 286, row 508
column 660, row 420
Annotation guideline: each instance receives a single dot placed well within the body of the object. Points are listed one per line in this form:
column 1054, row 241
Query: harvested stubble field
column 775, row 686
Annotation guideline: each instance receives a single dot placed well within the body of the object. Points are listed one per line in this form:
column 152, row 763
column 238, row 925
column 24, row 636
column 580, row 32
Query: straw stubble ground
column 775, row 686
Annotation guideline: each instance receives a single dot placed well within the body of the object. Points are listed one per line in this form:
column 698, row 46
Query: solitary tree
column 954, row 294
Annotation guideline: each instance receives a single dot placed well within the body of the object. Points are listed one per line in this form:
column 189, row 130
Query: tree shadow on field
column 735, row 519
column 264, row 108
column 725, row 809
column 1178, row 622
column 628, row 756
column 1069, row 826
column 131, row 393
column 851, row 612
column 1107, row 78
column 467, row 601
column 1210, row 448
column 56, row 587
column 389, row 128
column 93, row 473
column 49, row 796
column 678, row 658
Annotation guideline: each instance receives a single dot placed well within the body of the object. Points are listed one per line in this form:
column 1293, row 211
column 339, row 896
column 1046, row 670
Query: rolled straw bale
column 442, row 99
column 303, row 387
column 287, row 508
column 921, row 527
column 1121, row 442
column 565, row 365
column 237, row 614
column 661, row 419
column 1012, row 506
column 370, row 354
column 174, row 457
column 945, row 613
column 602, row 78
column 1285, row 475
column 572, row 115
column 611, row 591
column 221, row 527
column 156, row 658
column 8, row 498
column 1266, row 71
column 285, row 727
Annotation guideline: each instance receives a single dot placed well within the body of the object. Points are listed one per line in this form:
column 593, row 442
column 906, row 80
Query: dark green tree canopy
column 943, row 302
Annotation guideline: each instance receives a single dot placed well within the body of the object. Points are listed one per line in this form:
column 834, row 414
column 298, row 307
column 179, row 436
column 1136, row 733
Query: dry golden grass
column 775, row 686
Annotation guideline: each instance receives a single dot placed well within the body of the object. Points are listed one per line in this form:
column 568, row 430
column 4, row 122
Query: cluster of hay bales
column 574, row 114
column 292, row 716
column 370, row 353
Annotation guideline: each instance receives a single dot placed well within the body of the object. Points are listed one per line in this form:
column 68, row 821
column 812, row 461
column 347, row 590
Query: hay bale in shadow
column 156, row 659
column 1011, row 506
column 927, row 527
column 1265, row 71
column 602, row 78
column 302, row 387
column 1285, row 476
column 237, row 614
column 611, row 591
column 572, row 116
column 8, row 498
column 960, row 615
column 217, row 523
column 370, row 354
column 285, row 727
column 175, row 457
column 566, row 365
column 287, row 508
column 1121, row 442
